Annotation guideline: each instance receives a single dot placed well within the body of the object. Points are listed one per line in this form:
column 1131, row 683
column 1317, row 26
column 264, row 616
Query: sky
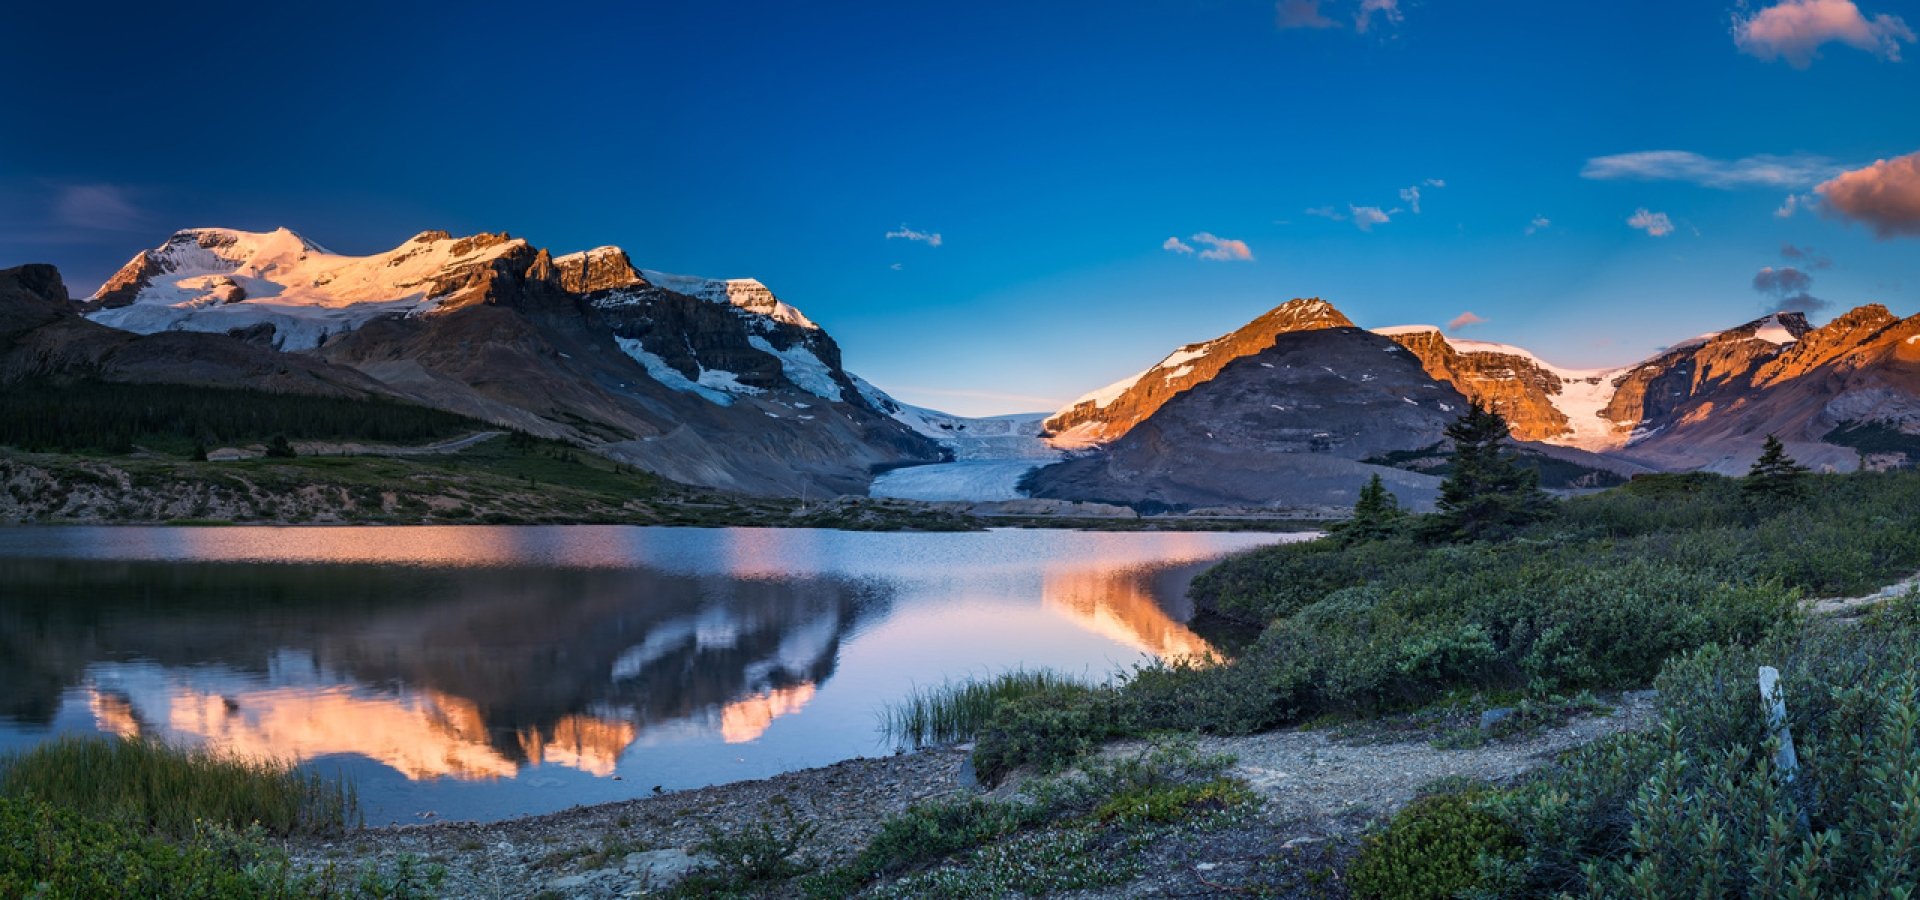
column 996, row 207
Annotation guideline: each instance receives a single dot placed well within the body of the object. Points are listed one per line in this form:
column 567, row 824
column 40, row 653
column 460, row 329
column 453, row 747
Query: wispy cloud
column 1806, row 255
column 1177, row 245
column 1654, row 223
column 1795, row 30
column 1466, row 319
column 97, row 207
column 1389, row 11
column 1795, row 172
column 1884, row 196
column 931, row 239
column 1301, row 14
column 1366, row 14
column 1363, row 217
column 1411, row 195
column 1787, row 290
column 1221, row 249
column 1539, row 224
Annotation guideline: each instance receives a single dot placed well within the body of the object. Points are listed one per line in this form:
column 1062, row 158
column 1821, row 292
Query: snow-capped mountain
column 220, row 280
column 714, row 382
column 1288, row 410
column 1111, row 411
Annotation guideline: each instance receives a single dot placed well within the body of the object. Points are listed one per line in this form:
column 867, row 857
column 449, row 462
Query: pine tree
column 1489, row 493
column 1775, row 477
column 278, row 448
column 1376, row 515
column 199, row 451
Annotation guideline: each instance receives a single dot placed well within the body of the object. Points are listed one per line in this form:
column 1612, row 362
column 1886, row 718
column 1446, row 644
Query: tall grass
column 956, row 711
column 170, row 791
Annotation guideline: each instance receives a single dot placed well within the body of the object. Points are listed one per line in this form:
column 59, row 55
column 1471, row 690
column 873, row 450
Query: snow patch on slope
column 802, row 368
column 718, row 387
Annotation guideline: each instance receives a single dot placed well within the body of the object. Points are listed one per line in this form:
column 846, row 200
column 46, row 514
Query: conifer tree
column 1376, row 515
column 1489, row 493
column 1775, row 477
column 278, row 448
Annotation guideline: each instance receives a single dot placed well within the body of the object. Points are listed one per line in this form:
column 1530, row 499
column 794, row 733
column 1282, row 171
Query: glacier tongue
column 990, row 455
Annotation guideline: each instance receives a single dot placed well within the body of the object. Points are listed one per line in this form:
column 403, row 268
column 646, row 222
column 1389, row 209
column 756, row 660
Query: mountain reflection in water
column 666, row 655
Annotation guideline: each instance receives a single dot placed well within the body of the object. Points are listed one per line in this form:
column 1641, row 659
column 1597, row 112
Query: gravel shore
column 1320, row 788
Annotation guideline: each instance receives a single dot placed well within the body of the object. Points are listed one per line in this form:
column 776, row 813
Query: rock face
column 1840, row 396
column 1288, row 425
column 1514, row 384
column 1112, row 411
column 725, row 387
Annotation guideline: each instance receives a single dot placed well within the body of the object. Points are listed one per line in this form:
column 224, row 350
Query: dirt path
column 454, row 445
column 1318, row 786
column 1312, row 776
column 1853, row 607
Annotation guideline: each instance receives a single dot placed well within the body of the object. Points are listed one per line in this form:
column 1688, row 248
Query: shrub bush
column 1699, row 808
column 1432, row 849
column 1047, row 729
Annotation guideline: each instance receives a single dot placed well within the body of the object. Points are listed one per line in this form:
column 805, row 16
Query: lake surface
column 487, row 672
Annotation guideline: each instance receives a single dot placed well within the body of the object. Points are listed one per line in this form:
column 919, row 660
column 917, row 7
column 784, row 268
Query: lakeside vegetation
column 111, row 818
column 1688, row 583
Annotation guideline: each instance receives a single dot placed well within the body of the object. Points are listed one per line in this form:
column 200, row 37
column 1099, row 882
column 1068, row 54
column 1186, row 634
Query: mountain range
column 719, row 383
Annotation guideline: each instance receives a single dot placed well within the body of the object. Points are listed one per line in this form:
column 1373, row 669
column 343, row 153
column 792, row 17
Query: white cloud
column 1178, row 246
column 1411, row 195
column 930, row 239
column 896, row 267
column 1464, row 320
column 1794, row 30
column 1795, row 172
column 1654, row 223
column 1222, row 249
column 1365, row 217
column 1539, row 223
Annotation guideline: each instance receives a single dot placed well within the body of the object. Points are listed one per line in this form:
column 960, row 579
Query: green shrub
column 57, row 854
column 1698, row 808
column 1168, row 804
column 1047, row 729
column 1432, row 849
column 172, row 791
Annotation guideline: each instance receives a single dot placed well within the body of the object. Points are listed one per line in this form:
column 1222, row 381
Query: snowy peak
column 221, row 279
column 1109, row 412
column 742, row 293
column 1308, row 314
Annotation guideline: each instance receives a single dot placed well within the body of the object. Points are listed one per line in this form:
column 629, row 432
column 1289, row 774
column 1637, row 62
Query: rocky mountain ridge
column 1648, row 413
column 725, row 387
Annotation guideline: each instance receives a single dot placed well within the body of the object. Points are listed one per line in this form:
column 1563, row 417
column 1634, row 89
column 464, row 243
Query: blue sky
column 1054, row 148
